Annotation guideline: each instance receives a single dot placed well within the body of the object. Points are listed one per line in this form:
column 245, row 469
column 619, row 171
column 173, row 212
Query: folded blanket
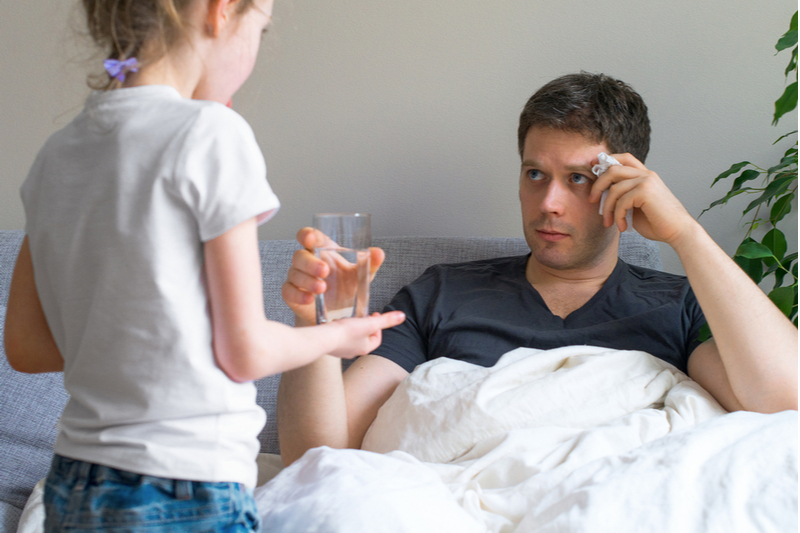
column 574, row 439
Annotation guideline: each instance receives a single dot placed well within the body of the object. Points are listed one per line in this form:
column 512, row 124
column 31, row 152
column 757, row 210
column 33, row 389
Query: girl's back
column 118, row 205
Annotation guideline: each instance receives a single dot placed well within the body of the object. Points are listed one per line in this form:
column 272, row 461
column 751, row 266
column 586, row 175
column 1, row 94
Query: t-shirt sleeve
column 221, row 173
column 407, row 344
column 695, row 320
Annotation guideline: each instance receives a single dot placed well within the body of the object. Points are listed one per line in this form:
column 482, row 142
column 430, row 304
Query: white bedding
column 577, row 439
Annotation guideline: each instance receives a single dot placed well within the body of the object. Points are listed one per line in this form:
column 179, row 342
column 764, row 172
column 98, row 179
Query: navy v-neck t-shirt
column 478, row 311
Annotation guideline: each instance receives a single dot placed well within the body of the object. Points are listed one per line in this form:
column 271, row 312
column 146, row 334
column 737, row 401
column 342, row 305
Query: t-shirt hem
column 234, row 471
column 261, row 213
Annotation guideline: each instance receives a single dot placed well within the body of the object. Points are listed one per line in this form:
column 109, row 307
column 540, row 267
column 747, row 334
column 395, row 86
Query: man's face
column 564, row 231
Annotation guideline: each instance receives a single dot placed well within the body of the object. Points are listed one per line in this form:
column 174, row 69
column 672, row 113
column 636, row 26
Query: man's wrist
column 690, row 240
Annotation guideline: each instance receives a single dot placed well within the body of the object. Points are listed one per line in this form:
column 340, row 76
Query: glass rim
column 354, row 215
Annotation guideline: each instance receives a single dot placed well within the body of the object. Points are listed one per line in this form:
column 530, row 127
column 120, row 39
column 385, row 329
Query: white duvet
column 576, row 439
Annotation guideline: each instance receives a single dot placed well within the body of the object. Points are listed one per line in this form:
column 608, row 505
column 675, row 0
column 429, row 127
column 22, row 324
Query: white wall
column 408, row 110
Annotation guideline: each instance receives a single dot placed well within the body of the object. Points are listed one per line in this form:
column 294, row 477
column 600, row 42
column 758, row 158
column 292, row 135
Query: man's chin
column 553, row 257
column 549, row 257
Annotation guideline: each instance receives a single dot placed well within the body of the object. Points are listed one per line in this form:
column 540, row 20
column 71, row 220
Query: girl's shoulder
column 162, row 104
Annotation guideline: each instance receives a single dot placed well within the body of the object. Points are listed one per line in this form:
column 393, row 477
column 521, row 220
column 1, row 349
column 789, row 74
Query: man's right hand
column 306, row 276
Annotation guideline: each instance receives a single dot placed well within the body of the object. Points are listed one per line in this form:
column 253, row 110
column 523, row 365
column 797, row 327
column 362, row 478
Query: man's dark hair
column 603, row 109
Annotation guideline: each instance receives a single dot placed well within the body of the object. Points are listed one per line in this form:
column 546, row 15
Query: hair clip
column 117, row 69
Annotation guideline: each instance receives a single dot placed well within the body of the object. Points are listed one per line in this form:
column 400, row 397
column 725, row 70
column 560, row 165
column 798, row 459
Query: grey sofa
column 31, row 404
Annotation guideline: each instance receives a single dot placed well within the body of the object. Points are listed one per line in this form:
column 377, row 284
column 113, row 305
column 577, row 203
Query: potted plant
column 771, row 257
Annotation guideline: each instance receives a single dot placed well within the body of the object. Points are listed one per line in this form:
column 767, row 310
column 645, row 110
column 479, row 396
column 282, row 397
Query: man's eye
column 579, row 179
column 534, row 174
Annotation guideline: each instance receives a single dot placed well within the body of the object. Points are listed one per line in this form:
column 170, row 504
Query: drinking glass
column 343, row 241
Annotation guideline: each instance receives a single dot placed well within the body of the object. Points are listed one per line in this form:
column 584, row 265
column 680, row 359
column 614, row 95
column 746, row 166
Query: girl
column 140, row 278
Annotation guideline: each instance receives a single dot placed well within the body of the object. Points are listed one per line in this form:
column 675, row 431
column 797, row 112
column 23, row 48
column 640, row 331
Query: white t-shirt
column 118, row 205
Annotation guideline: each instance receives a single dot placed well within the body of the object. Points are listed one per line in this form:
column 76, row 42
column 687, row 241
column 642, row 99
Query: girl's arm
column 247, row 345
column 29, row 343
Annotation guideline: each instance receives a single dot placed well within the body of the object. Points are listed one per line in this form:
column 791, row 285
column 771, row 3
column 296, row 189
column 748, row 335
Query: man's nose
column 554, row 198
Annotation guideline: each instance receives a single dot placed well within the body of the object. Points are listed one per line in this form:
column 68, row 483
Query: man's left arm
column 751, row 362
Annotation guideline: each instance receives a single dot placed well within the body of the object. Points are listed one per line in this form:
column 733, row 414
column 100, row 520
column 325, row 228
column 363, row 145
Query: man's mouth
column 551, row 236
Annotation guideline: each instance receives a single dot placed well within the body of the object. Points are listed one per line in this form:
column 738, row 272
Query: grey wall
column 408, row 110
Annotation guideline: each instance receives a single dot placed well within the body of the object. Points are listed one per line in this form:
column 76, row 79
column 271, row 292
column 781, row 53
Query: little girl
column 140, row 278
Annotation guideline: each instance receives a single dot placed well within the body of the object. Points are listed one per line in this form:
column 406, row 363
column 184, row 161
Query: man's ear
column 219, row 14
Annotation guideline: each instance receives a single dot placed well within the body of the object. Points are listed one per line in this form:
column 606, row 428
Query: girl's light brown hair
column 122, row 28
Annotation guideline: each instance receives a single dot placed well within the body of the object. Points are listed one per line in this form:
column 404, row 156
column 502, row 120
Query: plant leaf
column 786, row 161
column 792, row 63
column 785, row 267
column 705, row 333
column 753, row 250
column 754, row 268
column 782, row 137
column 786, row 37
column 787, row 40
column 733, row 170
column 747, row 175
column 775, row 240
column 784, row 298
column 775, row 188
column 781, row 208
column 787, row 102
column 724, row 199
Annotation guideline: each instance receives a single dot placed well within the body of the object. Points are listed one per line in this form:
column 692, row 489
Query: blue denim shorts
column 81, row 496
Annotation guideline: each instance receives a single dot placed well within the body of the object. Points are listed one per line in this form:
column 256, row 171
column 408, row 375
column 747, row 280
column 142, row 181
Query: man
column 571, row 289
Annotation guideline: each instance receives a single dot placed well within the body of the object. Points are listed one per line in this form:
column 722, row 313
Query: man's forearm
column 756, row 342
column 311, row 409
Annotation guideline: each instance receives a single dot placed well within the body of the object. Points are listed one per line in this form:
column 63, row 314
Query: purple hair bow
column 117, row 69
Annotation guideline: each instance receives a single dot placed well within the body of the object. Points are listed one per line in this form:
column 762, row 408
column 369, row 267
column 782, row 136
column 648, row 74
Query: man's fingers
column 305, row 261
column 309, row 238
column 615, row 174
column 628, row 160
column 305, row 282
column 611, row 208
column 294, row 296
column 376, row 258
column 306, row 238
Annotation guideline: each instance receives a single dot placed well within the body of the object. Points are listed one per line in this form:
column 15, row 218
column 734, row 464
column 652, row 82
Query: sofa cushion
column 9, row 517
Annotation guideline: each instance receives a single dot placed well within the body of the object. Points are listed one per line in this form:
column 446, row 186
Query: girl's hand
column 306, row 277
column 360, row 336
column 657, row 214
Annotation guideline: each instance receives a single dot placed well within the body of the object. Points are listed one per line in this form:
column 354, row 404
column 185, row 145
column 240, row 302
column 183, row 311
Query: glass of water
column 343, row 241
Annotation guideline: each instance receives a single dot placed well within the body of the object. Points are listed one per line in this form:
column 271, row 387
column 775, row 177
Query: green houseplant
column 776, row 189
